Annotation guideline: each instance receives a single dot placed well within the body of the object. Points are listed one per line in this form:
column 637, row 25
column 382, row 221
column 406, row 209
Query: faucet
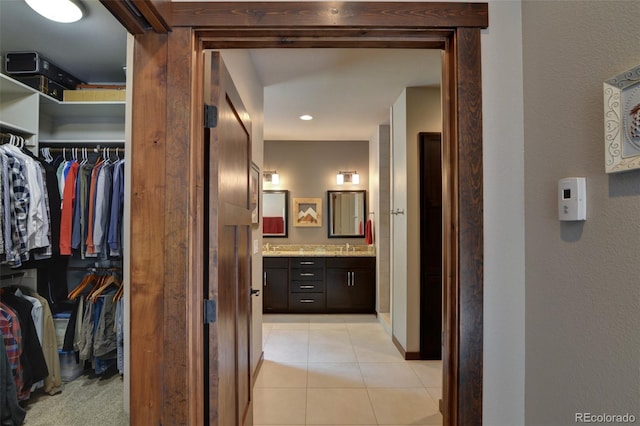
column 347, row 247
column 266, row 246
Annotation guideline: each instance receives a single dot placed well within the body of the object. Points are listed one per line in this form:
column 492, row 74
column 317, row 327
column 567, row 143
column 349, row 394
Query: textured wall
column 308, row 169
column 583, row 278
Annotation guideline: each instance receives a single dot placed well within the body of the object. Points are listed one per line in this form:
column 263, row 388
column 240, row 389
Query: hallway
column 341, row 370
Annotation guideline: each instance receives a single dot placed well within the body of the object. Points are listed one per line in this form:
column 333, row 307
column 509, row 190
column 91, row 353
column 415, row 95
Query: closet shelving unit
column 45, row 121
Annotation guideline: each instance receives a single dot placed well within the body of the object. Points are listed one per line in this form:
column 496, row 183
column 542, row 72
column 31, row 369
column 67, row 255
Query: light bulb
column 64, row 11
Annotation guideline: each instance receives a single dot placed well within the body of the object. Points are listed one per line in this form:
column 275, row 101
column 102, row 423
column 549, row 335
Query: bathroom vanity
column 319, row 280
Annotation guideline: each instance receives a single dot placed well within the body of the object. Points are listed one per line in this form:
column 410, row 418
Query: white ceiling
column 348, row 91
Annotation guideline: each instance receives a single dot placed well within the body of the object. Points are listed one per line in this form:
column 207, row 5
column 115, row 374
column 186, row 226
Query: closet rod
column 94, row 268
column 93, row 148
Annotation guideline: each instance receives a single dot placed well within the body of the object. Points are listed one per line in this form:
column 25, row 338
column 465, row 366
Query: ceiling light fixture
column 271, row 176
column 349, row 177
column 306, row 117
column 64, row 11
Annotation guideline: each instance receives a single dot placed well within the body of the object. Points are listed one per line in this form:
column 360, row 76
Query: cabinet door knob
column 264, row 278
column 307, row 300
column 307, row 286
column 307, row 263
column 307, row 274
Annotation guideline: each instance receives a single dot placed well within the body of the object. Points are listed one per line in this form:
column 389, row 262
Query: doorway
column 430, row 152
column 455, row 28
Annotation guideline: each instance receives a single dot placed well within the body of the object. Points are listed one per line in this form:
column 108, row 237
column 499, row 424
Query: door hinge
column 209, row 311
column 210, row 116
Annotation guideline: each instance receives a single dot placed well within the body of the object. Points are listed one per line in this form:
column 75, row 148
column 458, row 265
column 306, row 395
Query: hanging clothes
column 11, row 413
column 34, row 366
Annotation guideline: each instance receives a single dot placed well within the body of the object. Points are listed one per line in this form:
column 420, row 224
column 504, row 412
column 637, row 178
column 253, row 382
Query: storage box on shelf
column 41, row 119
column 44, row 121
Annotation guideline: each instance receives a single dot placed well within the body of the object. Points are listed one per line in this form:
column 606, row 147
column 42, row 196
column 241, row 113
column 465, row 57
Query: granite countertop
column 317, row 250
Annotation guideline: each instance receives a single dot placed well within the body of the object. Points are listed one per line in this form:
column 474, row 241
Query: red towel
column 273, row 225
column 368, row 236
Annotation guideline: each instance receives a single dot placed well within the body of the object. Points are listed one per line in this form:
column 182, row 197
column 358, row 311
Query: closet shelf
column 107, row 142
column 83, row 109
column 14, row 128
column 9, row 86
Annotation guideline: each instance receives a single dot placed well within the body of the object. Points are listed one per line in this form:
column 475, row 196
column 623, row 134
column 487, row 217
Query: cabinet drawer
column 306, row 302
column 307, row 262
column 307, row 286
column 275, row 262
column 307, row 274
column 351, row 262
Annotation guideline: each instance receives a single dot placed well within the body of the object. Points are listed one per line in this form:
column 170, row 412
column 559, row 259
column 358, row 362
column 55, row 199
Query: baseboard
column 409, row 356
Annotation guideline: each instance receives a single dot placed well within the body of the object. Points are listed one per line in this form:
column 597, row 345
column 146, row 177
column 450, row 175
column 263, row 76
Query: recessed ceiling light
column 64, row 11
column 306, row 117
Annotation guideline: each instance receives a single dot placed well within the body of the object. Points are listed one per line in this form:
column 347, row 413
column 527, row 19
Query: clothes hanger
column 88, row 279
column 107, row 282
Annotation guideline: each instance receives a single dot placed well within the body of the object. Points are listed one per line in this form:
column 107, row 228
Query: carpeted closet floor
column 82, row 402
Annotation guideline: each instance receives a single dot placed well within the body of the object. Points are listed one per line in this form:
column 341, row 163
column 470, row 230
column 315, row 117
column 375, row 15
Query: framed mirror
column 275, row 205
column 347, row 213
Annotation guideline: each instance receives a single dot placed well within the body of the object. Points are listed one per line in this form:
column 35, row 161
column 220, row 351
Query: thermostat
column 572, row 199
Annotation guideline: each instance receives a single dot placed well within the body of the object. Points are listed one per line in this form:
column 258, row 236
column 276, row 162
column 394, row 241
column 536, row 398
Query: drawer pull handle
column 307, row 263
column 307, row 275
column 307, row 301
column 307, row 286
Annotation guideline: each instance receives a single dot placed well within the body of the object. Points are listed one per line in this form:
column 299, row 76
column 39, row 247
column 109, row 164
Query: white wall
column 399, row 288
column 503, row 159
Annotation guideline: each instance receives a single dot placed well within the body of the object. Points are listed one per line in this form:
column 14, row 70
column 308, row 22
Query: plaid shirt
column 12, row 335
column 19, row 196
column 2, row 215
column 6, row 206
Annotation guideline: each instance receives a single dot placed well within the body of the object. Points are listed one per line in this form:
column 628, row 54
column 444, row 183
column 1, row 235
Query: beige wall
column 379, row 190
column 308, row 169
column 418, row 109
column 582, row 278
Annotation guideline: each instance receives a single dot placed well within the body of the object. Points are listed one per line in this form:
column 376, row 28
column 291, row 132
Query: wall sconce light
column 271, row 176
column 348, row 176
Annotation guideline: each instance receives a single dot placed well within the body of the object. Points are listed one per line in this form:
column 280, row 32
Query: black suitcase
column 44, row 85
column 32, row 63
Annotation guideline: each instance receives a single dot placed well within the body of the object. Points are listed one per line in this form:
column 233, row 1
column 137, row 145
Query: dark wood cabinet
column 275, row 284
column 351, row 284
column 307, row 284
column 319, row 284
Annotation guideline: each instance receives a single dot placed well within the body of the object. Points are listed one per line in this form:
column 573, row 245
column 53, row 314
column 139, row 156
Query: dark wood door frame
column 166, row 213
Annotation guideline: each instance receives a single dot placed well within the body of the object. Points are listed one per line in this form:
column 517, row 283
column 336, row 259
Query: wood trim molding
column 330, row 14
column 148, row 195
column 125, row 16
column 470, row 225
column 156, row 12
column 137, row 16
column 409, row 356
column 168, row 123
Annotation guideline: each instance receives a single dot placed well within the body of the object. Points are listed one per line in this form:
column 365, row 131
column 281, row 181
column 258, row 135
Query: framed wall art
column 254, row 193
column 307, row 212
column 622, row 121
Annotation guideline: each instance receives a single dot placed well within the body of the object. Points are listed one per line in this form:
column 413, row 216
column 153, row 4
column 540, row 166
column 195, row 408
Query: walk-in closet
column 63, row 258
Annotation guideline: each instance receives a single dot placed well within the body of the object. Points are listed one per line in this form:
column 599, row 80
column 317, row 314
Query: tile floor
column 341, row 370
